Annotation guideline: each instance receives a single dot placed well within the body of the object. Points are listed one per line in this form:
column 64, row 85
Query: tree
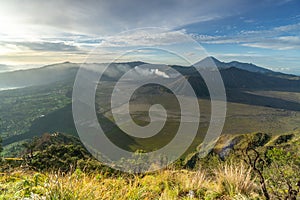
column 283, row 173
column 277, row 169
column 253, row 158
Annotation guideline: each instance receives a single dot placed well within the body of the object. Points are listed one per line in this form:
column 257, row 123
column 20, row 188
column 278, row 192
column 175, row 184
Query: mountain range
column 234, row 74
column 43, row 102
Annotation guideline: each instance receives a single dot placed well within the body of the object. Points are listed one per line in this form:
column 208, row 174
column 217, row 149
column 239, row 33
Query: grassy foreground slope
column 167, row 184
column 226, row 173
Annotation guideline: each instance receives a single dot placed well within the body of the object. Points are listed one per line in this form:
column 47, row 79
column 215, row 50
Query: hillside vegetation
column 248, row 166
column 39, row 161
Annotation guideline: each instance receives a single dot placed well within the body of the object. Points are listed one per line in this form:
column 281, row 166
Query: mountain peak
column 211, row 58
column 208, row 62
column 249, row 67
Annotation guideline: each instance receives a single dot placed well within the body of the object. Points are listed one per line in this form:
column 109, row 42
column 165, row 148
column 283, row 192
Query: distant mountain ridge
column 67, row 71
column 208, row 61
column 56, row 80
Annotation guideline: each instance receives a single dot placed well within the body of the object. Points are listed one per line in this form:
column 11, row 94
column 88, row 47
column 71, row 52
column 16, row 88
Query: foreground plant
column 228, row 181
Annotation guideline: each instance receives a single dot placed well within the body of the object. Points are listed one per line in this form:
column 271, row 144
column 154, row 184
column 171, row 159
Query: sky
column 264, row 32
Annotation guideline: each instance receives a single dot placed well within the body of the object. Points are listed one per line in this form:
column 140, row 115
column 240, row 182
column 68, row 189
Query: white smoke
column 151, row 72
column 159, row 73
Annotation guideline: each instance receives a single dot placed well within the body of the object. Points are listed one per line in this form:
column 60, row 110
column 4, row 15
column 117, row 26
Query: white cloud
column 49, row 18
column 267, row 45
column 30, row 28
column 278, row 38
column 278, row 43
column 282, row 69
column 144, row 38
column 41, row 46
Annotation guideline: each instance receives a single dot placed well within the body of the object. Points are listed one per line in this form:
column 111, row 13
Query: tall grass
column 227, row 182
column 235, row 180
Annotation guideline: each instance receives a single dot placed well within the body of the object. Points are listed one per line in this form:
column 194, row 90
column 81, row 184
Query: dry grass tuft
column 235, row 179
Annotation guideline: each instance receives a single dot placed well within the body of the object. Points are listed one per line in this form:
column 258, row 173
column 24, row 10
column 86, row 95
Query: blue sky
column 266, row 32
